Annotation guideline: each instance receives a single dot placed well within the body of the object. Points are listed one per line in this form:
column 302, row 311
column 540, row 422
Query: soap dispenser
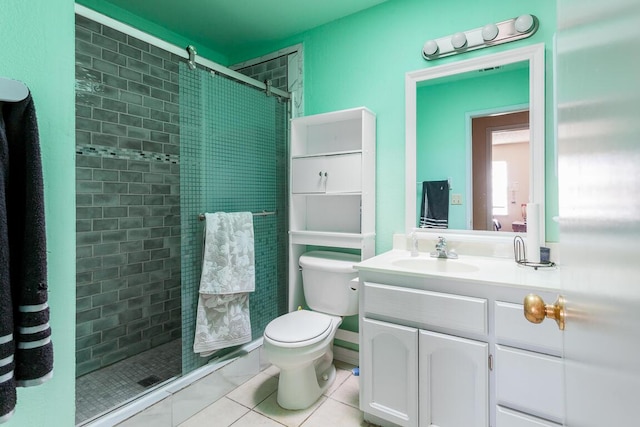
column 414, row 244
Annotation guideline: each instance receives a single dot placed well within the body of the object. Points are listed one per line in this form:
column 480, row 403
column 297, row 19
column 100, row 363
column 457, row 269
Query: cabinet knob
column 535, row 310
column 320, row 174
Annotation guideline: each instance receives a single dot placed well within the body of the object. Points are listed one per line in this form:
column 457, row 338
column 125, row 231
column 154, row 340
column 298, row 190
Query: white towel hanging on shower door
column 228, row 276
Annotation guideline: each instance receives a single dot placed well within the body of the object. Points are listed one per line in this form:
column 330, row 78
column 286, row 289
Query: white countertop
column 486, row 270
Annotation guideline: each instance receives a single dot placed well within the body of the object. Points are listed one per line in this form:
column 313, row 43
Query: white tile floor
column 253, row 403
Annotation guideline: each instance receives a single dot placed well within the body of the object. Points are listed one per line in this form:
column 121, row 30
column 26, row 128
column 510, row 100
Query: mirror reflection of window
column 511, row 184
column 499, row 187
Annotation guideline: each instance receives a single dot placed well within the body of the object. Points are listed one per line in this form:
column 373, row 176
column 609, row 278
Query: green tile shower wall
column 127, row 196
column 274, row 69
column 233, row 158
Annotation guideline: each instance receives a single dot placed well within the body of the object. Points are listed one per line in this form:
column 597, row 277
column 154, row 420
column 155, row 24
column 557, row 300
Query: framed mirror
column 461, row 120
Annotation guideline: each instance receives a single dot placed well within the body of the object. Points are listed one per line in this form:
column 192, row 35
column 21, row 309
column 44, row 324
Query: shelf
column 323, row 238
column 327, row 213
column 332, row 133
column 337, row 193
column 329, row 153
column 333, row 117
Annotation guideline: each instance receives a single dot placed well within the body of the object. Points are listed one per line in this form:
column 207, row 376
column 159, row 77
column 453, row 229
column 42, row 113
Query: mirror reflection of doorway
column 500, row 165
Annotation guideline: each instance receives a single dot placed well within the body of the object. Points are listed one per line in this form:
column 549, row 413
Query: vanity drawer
column 425, row 308
column 529, row 382
column 512, row 328
column 508, row 418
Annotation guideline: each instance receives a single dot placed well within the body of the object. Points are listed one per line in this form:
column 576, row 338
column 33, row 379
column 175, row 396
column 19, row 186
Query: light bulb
column 489, row 32
column 459, row 40
column 524, row 23
column 430, row 48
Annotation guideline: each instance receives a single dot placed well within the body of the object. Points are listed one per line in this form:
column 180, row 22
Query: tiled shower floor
column 102, row 390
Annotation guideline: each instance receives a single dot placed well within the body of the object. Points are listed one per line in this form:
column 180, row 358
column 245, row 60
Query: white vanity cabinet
column 332, row 186
column 414, row 376
column 452, row 352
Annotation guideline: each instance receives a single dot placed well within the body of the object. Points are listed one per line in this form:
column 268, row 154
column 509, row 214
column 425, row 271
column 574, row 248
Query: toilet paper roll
column 533, row 232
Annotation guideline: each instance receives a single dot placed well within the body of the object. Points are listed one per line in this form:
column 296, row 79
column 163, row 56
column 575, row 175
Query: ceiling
column 228, row 25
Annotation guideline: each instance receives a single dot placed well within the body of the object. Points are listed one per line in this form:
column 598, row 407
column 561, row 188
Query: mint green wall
column 442, row 132
column 37, row 45
column 362, row 60
column 151, row 28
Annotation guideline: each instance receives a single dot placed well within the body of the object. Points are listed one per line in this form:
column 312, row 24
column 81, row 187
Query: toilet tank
column 328, row 282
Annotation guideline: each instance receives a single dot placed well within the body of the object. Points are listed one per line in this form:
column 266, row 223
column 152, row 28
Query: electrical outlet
column 456, row 199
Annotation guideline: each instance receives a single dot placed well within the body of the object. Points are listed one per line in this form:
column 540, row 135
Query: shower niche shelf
column 332, row 198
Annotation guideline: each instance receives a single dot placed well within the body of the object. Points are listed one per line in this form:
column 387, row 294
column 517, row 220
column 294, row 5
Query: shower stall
column 233, row 158
column 157, row 144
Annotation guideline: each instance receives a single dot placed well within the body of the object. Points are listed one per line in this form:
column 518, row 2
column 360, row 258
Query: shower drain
column 149, row 381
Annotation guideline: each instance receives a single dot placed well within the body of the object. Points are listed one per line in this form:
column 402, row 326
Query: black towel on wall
column 434, row 211
column 26, row 351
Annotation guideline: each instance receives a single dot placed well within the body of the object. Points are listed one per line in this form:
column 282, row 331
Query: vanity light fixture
column 510, row 30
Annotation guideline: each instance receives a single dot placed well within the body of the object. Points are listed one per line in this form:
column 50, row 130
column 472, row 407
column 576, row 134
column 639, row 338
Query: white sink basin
column 435, row 265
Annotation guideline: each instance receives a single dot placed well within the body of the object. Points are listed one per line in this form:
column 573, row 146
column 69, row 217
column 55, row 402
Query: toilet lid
column 297, row 326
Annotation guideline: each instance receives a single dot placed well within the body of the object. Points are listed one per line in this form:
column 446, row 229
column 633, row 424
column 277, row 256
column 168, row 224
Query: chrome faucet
column 441, row 250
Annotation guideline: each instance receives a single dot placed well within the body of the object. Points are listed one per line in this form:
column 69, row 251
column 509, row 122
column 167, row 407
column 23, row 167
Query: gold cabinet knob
column 535, row 310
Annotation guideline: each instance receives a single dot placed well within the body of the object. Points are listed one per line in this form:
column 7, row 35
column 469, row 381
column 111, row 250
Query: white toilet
column 299, row 343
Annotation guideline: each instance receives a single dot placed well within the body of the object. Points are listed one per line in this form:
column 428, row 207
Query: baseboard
column 347, row 336
column 346, row 355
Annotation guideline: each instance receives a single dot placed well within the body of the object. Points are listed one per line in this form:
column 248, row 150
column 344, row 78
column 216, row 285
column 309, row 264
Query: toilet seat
column 299, row 328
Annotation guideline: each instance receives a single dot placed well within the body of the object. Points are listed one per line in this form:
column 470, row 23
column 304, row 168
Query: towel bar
column 448, row 180
column 201, row 216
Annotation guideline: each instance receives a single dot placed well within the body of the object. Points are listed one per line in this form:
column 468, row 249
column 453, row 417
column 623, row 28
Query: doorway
column 500, row 168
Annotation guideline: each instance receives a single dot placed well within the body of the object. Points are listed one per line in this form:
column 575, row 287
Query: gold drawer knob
column 535, row 310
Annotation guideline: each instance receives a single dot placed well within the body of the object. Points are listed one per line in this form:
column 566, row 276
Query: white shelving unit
column 332, row 199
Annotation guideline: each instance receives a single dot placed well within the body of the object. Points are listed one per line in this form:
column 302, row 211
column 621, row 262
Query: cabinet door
column 453, row 381
column 389, row 370
column 340, row 173
column 308, row 175
column 343, row 173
